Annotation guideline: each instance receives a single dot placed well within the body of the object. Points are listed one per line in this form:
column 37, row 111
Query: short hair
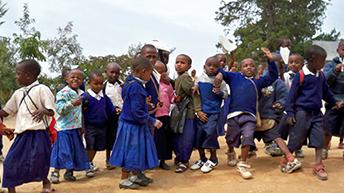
column 298, row 55
column 245, row 59
column 141, row 63
column 212, row 58
column 281, row 40
column 314, row 50
column 189, row 60
column 95, row 73
column 76, row 70
column 148, row 46
column 31, row 66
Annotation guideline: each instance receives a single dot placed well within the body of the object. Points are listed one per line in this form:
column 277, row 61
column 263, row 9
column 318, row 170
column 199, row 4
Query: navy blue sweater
column 243, row 93
column 135, row 108
column 277, row 92
column 307, row 96
column 98, row 111
column 335, row 80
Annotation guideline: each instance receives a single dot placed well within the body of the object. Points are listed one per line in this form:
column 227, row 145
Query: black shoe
column 68, row 176
column 143, row 177
column 164, row 166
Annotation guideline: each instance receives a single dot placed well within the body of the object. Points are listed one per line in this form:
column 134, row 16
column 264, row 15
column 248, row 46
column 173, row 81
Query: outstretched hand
column 267, row 53
column 202, row 116
column 218, row 80
column 157, row 124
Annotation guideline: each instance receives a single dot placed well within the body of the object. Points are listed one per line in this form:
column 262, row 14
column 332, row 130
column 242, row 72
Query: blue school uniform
column 68, row 151
column 210, row 103
column 243, row 103
column 97, row 109
column 304, row 103
column 134, row 148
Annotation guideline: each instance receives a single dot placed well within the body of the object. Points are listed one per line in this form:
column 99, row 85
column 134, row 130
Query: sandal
column 127, row 184
column 55, row 177
column 181, row 168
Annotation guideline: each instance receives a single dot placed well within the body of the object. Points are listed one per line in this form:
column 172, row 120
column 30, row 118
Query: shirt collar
column 98, row 96
column 306, row 71
column 31, row 85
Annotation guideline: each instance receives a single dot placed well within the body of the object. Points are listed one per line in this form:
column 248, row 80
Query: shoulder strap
column 104, row 87
column 26, row 93
column 302, row 77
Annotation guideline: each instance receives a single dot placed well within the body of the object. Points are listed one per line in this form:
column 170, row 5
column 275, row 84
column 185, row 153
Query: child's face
column 248, row 67
column 22, row 76
column 75, row 78
column 316, row 62
column 182, row 64
column 150, row 54
column 222, row 60
column 160, row 67
column 112, row 73
column 340, row 50
column 295, row 63
column 96, row 83
column 211, row 67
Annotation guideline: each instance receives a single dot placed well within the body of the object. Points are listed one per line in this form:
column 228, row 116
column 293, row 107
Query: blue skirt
column 134, row 148
column 27, row 159
column 69, row 152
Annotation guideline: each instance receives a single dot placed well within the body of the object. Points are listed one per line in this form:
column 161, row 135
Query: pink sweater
column 166, row 96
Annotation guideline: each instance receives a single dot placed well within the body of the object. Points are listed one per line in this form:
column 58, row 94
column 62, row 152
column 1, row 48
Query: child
column 68, row 151
column 333, row 120
column 243, row 106
column 271, row 105
column 134, row 149
column 29, row 156
column 163, row 135
column 303, row 107
column 97, row 110
column 112, row 89
column 208, row 109
column 184, row 134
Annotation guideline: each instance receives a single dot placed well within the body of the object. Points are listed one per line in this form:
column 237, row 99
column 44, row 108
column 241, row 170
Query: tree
column 7, row 72
column 262, row 22
column 64, row 50
column 3, row 11
column 29, row 44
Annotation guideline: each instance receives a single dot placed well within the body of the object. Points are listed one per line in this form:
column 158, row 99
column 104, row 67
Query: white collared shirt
column 113, row 91
column 306, row 71
column 41, row 96
column 97, row 96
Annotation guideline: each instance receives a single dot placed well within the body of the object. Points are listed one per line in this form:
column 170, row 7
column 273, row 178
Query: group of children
column 142, row 121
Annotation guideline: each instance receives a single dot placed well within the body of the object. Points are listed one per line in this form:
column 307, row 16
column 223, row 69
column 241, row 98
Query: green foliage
column 29, row 44
column 262, row 22
column 7, row 72
column 332, row 36
column 3, row 11
column 64, row 50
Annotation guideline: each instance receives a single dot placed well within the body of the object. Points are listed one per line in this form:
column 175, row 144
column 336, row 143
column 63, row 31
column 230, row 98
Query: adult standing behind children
column 242, row 117
column 29, row 156
column 113, row 88
column 334, row 118
column 304, row 104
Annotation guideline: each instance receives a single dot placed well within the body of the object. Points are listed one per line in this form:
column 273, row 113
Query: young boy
column 334, row 118
column 97, row 110
column 28, row 159
column 208, row 109
column 243, row 106
column 112, row 89
column 183, row 139
column 303, row 106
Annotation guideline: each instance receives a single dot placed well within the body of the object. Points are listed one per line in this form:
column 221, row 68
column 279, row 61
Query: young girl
column 134, row 149
column 28, row 158
column 68, row 151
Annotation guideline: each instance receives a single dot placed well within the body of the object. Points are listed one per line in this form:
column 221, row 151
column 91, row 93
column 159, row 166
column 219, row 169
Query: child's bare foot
column 47, row 187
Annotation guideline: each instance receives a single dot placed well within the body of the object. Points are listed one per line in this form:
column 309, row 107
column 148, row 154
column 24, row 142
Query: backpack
column 302, row 76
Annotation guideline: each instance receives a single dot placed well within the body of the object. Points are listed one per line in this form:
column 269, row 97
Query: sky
column 111, row 26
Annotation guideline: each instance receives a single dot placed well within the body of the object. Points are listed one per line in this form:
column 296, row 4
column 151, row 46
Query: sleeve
column 138, row 106
column 227, row 76
column 48, row 101
column 171, row 93
column 330, row 72
column 63, row 104
column 12, row 104
column 281, row 92
column 268, row 79
column 293, row 92
column 327, row 93
column 224, row 90
column 187, row 85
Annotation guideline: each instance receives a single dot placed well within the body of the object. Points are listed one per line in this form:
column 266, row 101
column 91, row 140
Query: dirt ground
column 267, row 177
